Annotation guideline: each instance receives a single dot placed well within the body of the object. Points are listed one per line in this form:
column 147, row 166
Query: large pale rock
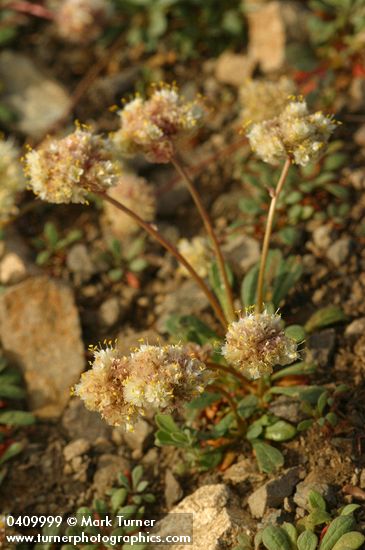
column 209, row 511
column 233, row 68
column 40, row 331
column 37, row 100
column 271, row 25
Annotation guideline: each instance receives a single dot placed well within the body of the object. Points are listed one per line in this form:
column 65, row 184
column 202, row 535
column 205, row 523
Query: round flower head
column 64, row 170
column 154, row 126
column 294, row 133
column 153, row 378
column 197, row 253
column 264, row 99
column 81, row 21
column 137, row 195
column 11, row 179
column 256, row 343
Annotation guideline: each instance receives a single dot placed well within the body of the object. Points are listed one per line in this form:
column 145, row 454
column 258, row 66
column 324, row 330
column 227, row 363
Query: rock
column 208, row 510
column 232, row 68
column 242, row 471
column 37, row 100
column 271, row 25
column 79, row 422
column 242, row 252
column 359, row 136
column 320, row 347
column 108, row 468
column 272, row 494
column 356, row 328
column 311, row 483
column 139, row 438
column 40, row 331
column 287, row 408
column 188, row 299
column 322, row 236
column 109, row 312
column 12, row 269
column 76, row 449
column 78, row 261
column 339, row 251
column 173, row 491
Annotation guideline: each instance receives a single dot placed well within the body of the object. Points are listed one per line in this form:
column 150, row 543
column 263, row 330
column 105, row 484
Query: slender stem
column 170, row 248
column 267, row 237
column 210, row 230
column 241, row 424
column 232, row 371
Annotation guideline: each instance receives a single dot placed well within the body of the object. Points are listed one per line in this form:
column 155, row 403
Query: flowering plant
column 235, row 365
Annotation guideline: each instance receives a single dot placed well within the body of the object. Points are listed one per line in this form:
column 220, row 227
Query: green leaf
column 254, row 430
column 332, row 419
column 294, row 370
column 43, row 257
column 349, row 509
column 309, row 394
column 51, row 234
column 269, row 459
column 280, row 431
column 13, row 450
column 166, row 422
column 316, row 501
column 217, row 282
column 249, row 287
column 134, row 249
column 335, row 161
column 9, row 391
column 324, row 317
column 307, row 541
column 338, row 527
column 116, row 274
column 16, row 418
column 305, row 425
column 289, row 235
column 291, row 531
column 317, row 517
column 322, row 402
column 350, row 541
column 138, row 264
column 118, row 498
column 137, row 474
column 275, row 538
column 142, row 486
column 189, row 328
column 296, row 332
column 203, row 401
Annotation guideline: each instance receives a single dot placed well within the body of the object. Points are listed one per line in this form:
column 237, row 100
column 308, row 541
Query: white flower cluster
column 256, row 343
column 153, row 378
column 65, row 170
column 197, row 253
column 295, row 133
column 81, row 21
column 154, row 126
column 264, row 99
column 137, row 195
column 11, row 179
